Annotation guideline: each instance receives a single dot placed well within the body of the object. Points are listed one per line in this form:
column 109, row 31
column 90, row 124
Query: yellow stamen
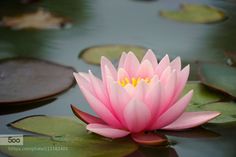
column 134, row 81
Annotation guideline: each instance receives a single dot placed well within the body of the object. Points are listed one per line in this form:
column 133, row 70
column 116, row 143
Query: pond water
column 122, row 22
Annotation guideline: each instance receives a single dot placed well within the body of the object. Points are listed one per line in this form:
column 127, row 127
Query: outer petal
column 145, row 69
column 87, row 118
column 172, row 113
column 137, row 116
column 82, row 82
column 150, row 56
column 122, row 60
column 149, row 139
column 99, row 89
column 119, row 98
column 107, row 63
column 191, row 119
column 107, row 131
column 131, row 64
column 163, row 64
column 176, row 64
column 100, row 109
column 168, row 91
column 152, row 98
column 182, row 78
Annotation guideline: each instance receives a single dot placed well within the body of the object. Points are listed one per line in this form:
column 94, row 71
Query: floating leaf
column 218, row 76
column 25, row 80
column 227, row 109
column 67, row 138
column 93, row 55
column 40, row 19
column 202, row 94
column 195, row 13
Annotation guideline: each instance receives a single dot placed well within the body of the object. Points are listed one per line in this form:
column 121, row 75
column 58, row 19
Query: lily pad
column 227, row 109
column 41, row 19
column 67, row 137
column 25, row 80
column 202, row 94
column 195, row 13
column 219, row 76
column 93, row 55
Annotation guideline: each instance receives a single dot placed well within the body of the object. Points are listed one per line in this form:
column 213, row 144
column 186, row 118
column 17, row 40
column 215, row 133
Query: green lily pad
column 93, row 55
column 27, row 80
column 195, row 13
column 227, row 109
column 202, row 94
column 65, row 137
column 219, row 76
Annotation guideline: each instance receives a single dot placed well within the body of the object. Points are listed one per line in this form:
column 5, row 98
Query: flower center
column 133, row 81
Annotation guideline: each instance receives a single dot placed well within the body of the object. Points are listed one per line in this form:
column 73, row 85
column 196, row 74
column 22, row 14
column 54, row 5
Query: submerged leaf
column 219, row 76
column 93, row 55
column 25, row 80
column 195, row 13
column 40, row 19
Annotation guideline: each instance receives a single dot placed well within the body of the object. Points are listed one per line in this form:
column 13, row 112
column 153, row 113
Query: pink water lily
column 138, row 97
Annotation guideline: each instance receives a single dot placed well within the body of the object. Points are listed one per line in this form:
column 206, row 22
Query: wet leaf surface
column 202, row 94
column 67, row 138
column 41, row 19
column 219, row 76
column 93, row 55
column 24, row 80
column 195, row 13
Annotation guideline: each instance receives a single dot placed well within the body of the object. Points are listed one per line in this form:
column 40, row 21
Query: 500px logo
column 14, row 139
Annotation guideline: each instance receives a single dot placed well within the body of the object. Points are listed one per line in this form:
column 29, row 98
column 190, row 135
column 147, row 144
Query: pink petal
column 168, row 90
column 173, row 112
column 100, row 109
column 150, row 56
column 122, row 60
column 149, row 139
column 152, row 98
column 107, row 63
column 136, row 115
column 131, row 64
column 82, row 82
column 107, row 131
column 87, row 118
column 145, row 69
column 165, row 75
column 176, row 64
column 182, row 78
column 122, row 74
column 141, row 90
column 191, row 119
column 163, row 64
column 130, row 89
column 119, row 98
column 99, row 89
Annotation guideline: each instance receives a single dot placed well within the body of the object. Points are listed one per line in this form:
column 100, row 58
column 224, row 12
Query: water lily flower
column 138, row 97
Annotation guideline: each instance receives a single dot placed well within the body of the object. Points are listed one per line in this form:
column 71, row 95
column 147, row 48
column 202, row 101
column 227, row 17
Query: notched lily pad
column 67, row 137
column 26, row 80
column 195, row 13
column 41, row 19
column 219, row 76
column 93, row 55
